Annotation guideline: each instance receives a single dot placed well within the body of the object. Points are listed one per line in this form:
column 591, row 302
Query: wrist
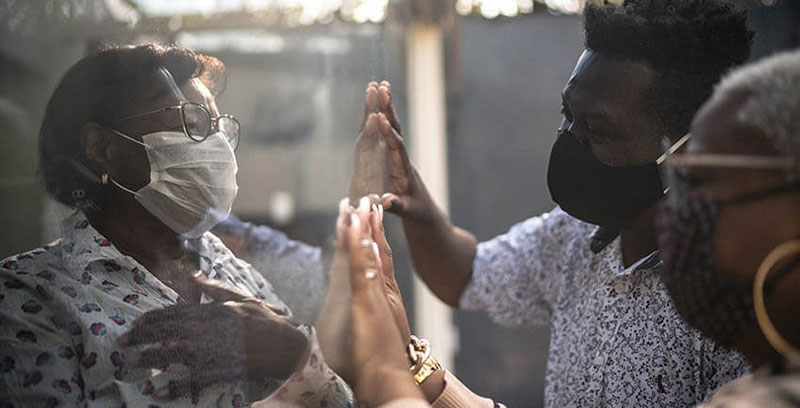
column 433, row 386
column 427, row 372
column 381, row 383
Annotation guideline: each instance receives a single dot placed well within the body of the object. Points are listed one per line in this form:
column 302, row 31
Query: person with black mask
column 590, row 267
column 729, row 229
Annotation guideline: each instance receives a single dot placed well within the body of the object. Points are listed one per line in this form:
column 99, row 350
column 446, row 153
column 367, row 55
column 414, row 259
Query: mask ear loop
column 773, row 336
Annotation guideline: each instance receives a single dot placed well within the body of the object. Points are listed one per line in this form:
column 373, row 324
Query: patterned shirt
column 616, row 339
column 294, row 268
column 63, row 306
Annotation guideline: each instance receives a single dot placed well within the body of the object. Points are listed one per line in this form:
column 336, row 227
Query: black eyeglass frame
column 213, row 123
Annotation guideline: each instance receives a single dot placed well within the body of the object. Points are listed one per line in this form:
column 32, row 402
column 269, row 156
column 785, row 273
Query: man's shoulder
column 555, row 225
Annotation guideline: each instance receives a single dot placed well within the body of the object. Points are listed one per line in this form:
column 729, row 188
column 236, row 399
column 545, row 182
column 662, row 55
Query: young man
column 590, row 268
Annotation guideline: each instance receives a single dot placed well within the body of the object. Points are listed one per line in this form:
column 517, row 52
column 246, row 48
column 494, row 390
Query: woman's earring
column 104, row 179
column 778, row 342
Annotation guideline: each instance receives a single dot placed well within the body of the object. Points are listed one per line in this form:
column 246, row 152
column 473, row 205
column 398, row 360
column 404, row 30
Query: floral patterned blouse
column 615, row 337
column 63, row 306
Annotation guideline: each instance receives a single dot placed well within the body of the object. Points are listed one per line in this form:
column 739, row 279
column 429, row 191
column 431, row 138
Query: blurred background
column 476, row 83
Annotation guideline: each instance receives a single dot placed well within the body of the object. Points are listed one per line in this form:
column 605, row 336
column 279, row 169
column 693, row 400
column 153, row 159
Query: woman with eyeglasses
column 730, row 228
column 137, row 304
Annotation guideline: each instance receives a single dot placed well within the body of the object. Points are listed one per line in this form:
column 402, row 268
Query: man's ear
column 96, row 145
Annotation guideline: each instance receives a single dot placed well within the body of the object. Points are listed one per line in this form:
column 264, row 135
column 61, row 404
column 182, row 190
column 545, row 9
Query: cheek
column 626, row 152
column 611, row 154
column 131, row 167
column 744, row 236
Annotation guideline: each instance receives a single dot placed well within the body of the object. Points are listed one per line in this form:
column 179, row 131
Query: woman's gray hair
column 773, row 103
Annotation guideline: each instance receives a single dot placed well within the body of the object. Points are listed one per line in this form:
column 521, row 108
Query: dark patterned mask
column 702, row 295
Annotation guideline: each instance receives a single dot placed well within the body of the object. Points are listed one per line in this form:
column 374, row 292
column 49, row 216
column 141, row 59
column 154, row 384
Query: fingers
column 170, row 323
column 181, row 352
column 371, row 104
column 220, row 291
column 154, row 324
column 397, row 149
column 384, row 97
column 393, row 203
column 342, row 221
column 384, row 250
column 363, row 260
column 374, row 199
column 191, row 386
column 390, row 134
column 370, row 130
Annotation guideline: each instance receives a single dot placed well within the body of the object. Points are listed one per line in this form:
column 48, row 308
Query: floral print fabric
column 63, row 306
column 615, row 337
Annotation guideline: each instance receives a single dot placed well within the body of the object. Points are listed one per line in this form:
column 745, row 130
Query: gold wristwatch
column 423, row 364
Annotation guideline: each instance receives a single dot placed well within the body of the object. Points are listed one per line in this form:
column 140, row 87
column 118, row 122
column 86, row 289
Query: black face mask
column 702, row 295
column 595, row 192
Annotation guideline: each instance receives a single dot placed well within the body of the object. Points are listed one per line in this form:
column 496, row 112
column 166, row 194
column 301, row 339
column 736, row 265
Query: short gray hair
column 773, row 103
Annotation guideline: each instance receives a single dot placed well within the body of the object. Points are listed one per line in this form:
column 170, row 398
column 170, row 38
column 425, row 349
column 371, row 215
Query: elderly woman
column 730, row 228
column 137, row 304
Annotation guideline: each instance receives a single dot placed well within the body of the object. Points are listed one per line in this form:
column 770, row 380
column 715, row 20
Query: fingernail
column 380, row 212
column 375, row 248
column 343, row 205
column 354, row 221
column 363, row 203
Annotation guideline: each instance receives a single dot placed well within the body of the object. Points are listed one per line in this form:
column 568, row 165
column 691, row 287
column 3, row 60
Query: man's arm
column 442, row 253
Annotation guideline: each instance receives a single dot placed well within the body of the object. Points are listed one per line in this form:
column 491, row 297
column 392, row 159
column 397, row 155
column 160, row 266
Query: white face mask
column 192, row 185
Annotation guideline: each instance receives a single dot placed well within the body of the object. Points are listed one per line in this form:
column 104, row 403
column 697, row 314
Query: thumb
column 394, row 204
column 219, row 291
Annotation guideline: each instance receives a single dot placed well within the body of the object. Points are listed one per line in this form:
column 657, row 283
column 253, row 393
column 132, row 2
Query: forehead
column 604, row 82
column 168, row 94
column 716, row 129
column 195, row 90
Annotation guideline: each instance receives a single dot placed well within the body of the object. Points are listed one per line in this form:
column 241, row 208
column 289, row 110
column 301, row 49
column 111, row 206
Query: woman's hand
column 235, row 337
column 373, row 215
column 378, row 346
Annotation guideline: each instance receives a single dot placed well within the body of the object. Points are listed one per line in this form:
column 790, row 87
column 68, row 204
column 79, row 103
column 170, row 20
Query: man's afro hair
column 690, row 44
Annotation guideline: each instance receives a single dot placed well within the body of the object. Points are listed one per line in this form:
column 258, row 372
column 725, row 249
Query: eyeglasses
column 675, row 165
column 734, row 161
column 198, row 123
